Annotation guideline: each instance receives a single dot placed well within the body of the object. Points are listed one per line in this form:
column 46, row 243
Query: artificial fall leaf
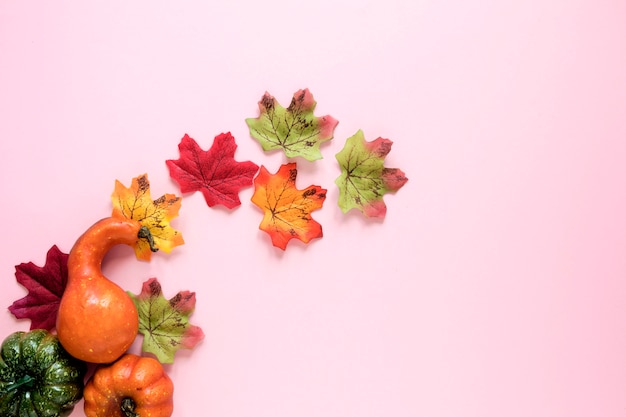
column 214, row 172
column 165, row 323
column 45, row 287
column 295, row 130
column 135, row 203
column 287, row 210
column 364, row 180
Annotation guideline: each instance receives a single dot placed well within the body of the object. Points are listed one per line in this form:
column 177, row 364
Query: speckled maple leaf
column 134, row 202
column 165, row 323
column 364, row 179
column 295, row 130
column 287, row 210
column 214, row 172
column 45, row 287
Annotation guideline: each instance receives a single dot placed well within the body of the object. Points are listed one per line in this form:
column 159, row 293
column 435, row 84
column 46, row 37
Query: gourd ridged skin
column 97, row 320
column 37, row 376
column 140, row 379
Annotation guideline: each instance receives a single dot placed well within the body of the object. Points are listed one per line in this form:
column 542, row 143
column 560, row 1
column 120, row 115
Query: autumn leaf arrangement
column 164, row 323
column 296, row 131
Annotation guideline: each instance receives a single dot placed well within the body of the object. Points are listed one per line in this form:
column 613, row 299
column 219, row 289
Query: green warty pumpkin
column 38, row 378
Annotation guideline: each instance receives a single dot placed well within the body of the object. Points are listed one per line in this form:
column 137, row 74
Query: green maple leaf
column 364, row 179
column 165, row 323
column 295, row 130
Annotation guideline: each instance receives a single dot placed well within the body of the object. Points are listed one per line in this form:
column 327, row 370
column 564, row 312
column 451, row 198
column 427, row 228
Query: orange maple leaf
column 135, row 203
column 287, row 209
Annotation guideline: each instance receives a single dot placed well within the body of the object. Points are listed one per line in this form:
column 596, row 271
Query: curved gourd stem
column 144, row 233
column 93, row 245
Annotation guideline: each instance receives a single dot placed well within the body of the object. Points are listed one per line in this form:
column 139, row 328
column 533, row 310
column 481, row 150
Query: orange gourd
column 133, row 386
column 97, row 321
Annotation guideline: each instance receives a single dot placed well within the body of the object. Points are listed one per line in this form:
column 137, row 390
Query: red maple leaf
column 45, row 287
column 214, row 172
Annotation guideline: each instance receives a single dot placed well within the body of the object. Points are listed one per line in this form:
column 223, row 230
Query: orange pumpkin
column 97, row 321
column 133, row 386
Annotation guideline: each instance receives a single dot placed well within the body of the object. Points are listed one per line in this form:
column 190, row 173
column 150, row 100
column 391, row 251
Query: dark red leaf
column 214, row 172
column 45, row 287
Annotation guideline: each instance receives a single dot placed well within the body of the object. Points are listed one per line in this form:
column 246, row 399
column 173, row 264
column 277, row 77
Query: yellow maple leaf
column 134, row 202
column 286, row 209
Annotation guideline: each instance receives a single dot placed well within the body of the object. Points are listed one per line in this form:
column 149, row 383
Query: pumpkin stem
column 144, row 233
column 128, row 407
column 26, row 380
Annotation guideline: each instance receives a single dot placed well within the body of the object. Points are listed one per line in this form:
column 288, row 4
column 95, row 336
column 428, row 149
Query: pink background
column 496, row 286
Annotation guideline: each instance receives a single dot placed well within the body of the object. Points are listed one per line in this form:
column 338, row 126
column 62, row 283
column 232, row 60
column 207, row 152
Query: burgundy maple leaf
column 45, row 287
column 214, row 172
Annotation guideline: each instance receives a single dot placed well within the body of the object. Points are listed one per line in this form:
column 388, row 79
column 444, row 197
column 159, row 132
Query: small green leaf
column 295, row 130
column 165, row 323
column 364, row 179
